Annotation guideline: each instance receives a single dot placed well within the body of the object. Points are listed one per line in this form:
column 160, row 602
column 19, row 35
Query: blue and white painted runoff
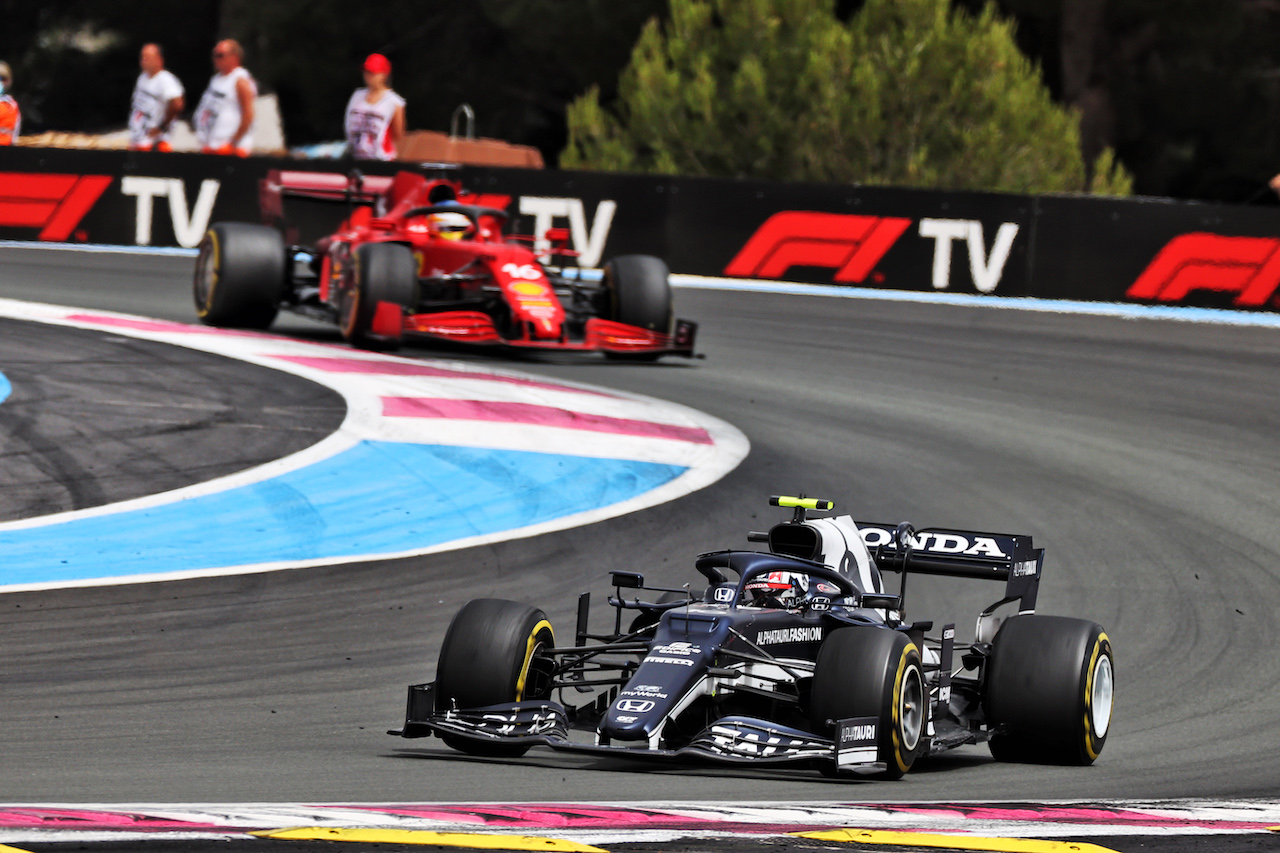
column 432, row 455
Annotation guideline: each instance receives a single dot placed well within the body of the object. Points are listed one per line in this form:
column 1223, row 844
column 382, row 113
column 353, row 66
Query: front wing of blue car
column 734, row 739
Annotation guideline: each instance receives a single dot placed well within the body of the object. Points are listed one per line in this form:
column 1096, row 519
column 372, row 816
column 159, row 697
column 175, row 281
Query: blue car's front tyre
column 491, row 655
column 873, row 672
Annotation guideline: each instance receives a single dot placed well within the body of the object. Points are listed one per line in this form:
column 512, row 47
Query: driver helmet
column 449, row 225
column 777, row 589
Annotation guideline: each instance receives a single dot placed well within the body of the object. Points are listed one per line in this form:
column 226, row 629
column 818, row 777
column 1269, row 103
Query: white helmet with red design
column 777, row 589
column 449, row 225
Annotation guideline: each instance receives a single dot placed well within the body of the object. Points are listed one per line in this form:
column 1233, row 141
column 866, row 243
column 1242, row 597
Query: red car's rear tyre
column 240, row 275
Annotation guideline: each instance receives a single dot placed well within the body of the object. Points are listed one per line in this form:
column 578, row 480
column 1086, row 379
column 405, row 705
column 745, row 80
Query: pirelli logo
column 1248, row 267
column 54, row 204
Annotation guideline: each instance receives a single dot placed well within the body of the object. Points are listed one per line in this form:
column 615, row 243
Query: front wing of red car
column 599, row 335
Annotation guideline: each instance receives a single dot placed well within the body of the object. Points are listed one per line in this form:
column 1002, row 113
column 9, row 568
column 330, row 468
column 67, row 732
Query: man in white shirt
column 224, row 117
column 158, row 98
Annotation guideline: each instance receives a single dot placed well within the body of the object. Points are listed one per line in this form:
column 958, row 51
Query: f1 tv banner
column 870, row 237
column 863, row 236
column 1158, row 252
column 1145, row 250
column 1152, row 251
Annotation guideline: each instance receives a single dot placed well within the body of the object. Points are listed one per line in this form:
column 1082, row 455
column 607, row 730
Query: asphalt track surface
column 1141, row 454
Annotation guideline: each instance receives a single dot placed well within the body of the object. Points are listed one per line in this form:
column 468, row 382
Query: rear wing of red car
column 352, row 188
column 958, row 553
column 280, row 184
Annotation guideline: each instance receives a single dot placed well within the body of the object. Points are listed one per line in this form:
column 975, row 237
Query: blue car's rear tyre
column 874, row 672
column 490, row 656
column 1050, row 686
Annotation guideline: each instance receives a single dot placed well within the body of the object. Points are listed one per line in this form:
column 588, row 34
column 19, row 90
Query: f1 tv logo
column 852, row 244
column 1246, row 266
column 855, row 244
column 53, row 203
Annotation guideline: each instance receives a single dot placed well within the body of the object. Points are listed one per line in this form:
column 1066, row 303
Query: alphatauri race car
column 795, row 654
column 413, row 258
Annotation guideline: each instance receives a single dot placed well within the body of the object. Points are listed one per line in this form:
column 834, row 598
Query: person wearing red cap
column 375, row 114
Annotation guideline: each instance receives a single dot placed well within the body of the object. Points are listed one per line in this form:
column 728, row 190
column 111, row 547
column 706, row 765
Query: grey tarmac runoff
column 1139, row 453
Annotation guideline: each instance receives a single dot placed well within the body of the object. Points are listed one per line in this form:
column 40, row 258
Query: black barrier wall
column 1066, row 247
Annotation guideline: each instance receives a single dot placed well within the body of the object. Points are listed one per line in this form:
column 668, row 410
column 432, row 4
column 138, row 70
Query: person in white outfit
column 158, row 98
column 224, row 117
column 375, row 114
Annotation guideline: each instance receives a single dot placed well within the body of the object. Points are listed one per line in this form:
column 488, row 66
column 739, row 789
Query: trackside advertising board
column 1143, row 250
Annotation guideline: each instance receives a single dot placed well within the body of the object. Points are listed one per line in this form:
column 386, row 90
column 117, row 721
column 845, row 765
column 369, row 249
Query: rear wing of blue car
column 1011, row 559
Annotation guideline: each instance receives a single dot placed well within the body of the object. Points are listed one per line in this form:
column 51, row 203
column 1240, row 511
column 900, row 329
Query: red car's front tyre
column 383, row 273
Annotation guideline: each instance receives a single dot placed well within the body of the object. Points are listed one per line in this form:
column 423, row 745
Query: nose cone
column 673, row 671
column 666, row 674
column 632, row 718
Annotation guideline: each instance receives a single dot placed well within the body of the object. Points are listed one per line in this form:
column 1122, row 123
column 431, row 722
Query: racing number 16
column 522, row 271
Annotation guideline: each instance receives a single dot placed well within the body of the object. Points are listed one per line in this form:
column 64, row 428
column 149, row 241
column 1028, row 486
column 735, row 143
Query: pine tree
column 908, row 93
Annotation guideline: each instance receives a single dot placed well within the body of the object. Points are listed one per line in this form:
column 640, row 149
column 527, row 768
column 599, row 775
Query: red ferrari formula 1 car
column 413, row 258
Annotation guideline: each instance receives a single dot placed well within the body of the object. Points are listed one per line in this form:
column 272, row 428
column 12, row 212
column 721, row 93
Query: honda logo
column 634, row 706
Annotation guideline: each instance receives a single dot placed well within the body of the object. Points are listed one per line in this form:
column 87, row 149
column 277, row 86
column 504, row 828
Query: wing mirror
column 627, row 580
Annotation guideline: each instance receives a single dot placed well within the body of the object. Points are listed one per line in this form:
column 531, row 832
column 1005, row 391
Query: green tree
column 909, row 93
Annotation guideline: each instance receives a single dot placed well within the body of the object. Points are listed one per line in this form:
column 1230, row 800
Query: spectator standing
column 10, row 115
column 158, row 98
column 375, row 114
column 224, row 117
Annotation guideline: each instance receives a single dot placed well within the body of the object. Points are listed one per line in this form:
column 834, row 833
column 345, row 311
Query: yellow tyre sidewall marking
column 205, row 306
column 353, row 297
column 1101, row 644
column 530, row 645
column 897, row 707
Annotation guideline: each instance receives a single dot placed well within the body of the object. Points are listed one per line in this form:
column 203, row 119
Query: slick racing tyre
column 1049, row 687
column 637, row 293
column 873, row 672
column 384, row 272
column 240, row 275
column 490, row 656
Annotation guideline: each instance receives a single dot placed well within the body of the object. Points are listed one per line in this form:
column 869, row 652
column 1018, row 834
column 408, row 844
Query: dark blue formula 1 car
column 796, row 654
